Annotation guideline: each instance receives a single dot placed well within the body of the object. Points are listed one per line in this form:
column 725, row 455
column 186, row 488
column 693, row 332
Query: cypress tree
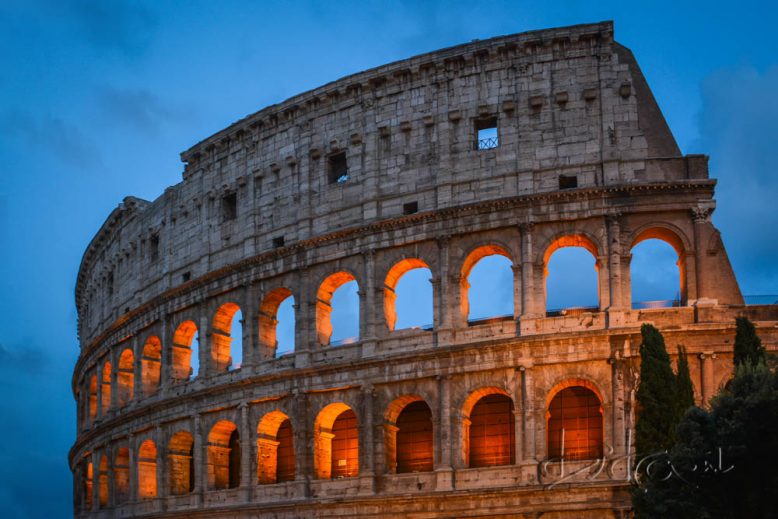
column 656, row 396
column 683, row 384
column 748, row 346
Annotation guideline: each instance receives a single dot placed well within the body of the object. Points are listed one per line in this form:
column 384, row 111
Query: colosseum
column 514, row 146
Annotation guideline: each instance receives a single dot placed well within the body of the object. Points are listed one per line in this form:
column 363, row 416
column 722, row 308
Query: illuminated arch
column 87, row 482
column 268, row 317
column 488, row 431
column 180, row 453
column 574, row 421
column 223, row 456
column 577, row 239
column 408, row 435
column 125, row 378
column 397, row 271
column 147, row 470
column 673, row 237
column 275, row 449
column 150, row 365
column 324, row 304
column 102, row 491
column 336, row 442
column 221, row 338
column 92, row 398
column 105, row 380
column 121, row 474
column 471, row 260
column 182, row 350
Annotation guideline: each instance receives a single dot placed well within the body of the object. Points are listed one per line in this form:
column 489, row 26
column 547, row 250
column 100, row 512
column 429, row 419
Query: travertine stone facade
column 266, row 210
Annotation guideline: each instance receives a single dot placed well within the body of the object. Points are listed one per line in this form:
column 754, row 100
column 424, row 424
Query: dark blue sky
column 98, row 98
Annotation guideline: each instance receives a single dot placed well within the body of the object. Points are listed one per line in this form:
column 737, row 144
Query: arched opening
column 571, row 276
column 489, row 432
column 337, row 310
column 486, row 284
column 223, row 456
column 125, row 378
column 414, row 438
column 276, row 322
column 180, row 463
column 147, row 470
column 275, row 449
column 150, row 365
column 336, row 442
column 92, row 398
column 103, row 489
column 574, row 424
column 105, row 404
column 185, row 352
column 227, row 338
column 121, row 474
column 657, row 274
column 87, row 486
column 408, row 295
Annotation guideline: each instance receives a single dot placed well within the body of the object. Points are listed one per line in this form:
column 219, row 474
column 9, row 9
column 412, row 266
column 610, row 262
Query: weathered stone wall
column 567, row 102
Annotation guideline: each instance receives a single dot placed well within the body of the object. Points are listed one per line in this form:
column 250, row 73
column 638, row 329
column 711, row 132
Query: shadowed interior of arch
column 572, row 280
column 227, row 338
column 574, row 425
column 181, row 463
column 413, row 303
column 490, row 291
column 147, row 470
column 655, row 275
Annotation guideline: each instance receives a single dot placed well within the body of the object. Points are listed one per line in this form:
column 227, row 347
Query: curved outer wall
column 257, row 211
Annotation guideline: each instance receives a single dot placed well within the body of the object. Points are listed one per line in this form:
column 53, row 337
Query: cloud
column 138, row 108
column 50, row 133
column 739, row 130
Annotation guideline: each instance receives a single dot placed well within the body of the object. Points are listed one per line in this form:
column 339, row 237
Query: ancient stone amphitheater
column 514, row 146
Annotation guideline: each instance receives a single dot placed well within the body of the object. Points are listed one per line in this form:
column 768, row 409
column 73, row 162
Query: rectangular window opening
column 411, row 207
column 186, row 276
column 278, row 242
column 337, row 168
column 486, row 134
column 568, row 181
column 230, row 206
column 154, row 247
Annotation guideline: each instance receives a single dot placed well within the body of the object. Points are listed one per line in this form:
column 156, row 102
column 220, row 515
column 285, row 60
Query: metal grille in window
column 486, row 134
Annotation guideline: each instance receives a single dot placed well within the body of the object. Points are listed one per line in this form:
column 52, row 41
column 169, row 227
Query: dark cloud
column 138, row 108
column 739, row 130
column 49, row 133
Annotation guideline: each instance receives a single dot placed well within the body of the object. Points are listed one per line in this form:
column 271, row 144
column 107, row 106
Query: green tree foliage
column 684, row 389
column 723, row 465
column 656, row 396
column 748, row 346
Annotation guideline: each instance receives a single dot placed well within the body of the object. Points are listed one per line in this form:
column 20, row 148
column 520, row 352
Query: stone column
column 367, row 450
column 162, row 485
column 616, row 282
column 371, row 301
column 303, row 446
column 701, row 218
column 250, row 326
column 199, row 458
column 603, row 283
column 95, row 481
column 706, row 377
column 246, row 443
column 110, row 451
column 529, row 304
column 518, row 305
column 446, row 304
column 443, row 468
column 166, row 355
column 619, row 424
column 133, row 468
column 114, row 356
column 204, row 342
column 137, row 378
column 528, row 417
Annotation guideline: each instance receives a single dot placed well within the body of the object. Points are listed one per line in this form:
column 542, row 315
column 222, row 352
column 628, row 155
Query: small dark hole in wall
column 568, row 182
column 278, row 242
column 411, row 207
column 186, row 276
column 230, row 206
column 154, row 247
column 337, row 168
